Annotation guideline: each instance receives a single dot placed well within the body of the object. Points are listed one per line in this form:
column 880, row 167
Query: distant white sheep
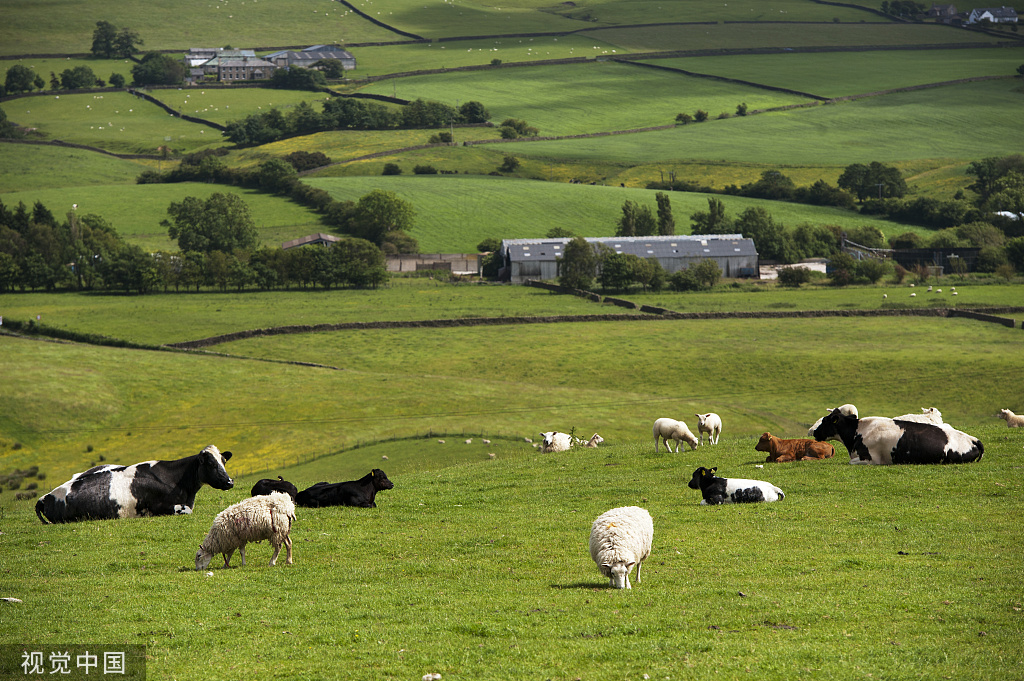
column 593, row 442
column 1012, row 420
column 619, row 539
column 267, row 517
column 555, row 441
column 670, row 429
column 711, row 424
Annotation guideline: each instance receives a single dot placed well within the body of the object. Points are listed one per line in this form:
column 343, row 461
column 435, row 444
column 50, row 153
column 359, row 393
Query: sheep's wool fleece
column 621, row 535
column 250, row 520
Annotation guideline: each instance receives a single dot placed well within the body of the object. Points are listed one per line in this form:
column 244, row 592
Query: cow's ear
column 713, row 470
column 226, row 455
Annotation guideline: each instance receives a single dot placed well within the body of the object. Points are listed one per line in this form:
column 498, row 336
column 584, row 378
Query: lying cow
column 266, row 486
column 884, row 441
column 781, row 451
column 143, row 489
column 717, row 490
column 359, row 492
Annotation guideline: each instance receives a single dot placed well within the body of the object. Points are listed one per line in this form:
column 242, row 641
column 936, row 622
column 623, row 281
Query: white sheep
column 670, row 429
column 266, row 517
column 619, row 539
column 555, row 441
column 927, row 415
column 1012, row 420
column 593, row 442
column 711, row 424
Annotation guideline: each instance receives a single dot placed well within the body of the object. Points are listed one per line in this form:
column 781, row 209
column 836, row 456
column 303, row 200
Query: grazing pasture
column 111, row 120
column 890, row 128
column 840, row 74
column 538, row 95
column 453, row 214
column 222, row 105
column 135, row 210
column 63, row 27
column 32, row 168
column 481, row 570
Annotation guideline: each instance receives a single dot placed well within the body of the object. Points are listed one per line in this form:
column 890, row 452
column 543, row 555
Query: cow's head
column 702, row 477
column 829, row 426
column 380, row 481
column 764, row 444
column 211, row 468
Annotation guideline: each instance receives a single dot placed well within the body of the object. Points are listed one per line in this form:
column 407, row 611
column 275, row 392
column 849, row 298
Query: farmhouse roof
column 678, row 246
column 318, row 238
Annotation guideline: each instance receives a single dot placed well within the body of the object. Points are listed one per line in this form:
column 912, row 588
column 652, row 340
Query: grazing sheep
column 670, row 429
column 265, row 517
column 927, row 415
column 717, row 490
column 619, row 539
column 913, row 295
column 1012, row 420
column 555, row 441
column 711, row 424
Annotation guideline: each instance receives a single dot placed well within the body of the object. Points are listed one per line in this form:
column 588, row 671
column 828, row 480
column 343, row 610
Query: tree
column 712, row 221
column 636, row 220
column 158, row 69
column 700, row 116
column 578, row 265
column 378, row 213
column 684, row 118
column 488, row 245
column 298, row 78
column 7, row 129
column 509, row 164
column 276, row 176
column 103, row 40
column 741, row 109
column 220, row 223
column 666, row 222
column 307, row 160
column 513, row 128
column 331, row 68
column 874, row 180
column 905, row 241
column 20, row 78
column 116, row 80
column 392, row 169
column 126, row 43
column 77, row 78
column 772, row 185
column 1015, row 253
column 474, row 112
column 618, row 270
column 772, row 240
column 359, row 263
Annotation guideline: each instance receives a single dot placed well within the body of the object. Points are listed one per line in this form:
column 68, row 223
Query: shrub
column 509, row 164
column 794, row 276
column 741, row 109
column 700, row 116
column 391, row 169
column 424, row 170
column 684, row 118
column 441, row 138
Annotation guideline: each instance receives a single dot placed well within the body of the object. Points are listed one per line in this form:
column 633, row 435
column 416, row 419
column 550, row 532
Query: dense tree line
column 110, row 42
column 347, row 113
column 84, row 252
column 380, row 217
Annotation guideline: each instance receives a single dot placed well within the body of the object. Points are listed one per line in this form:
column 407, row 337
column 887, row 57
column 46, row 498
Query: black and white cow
column 716, row 490
column 266, row 486
column 143, row 489
column 883, row 441
column 359, row 492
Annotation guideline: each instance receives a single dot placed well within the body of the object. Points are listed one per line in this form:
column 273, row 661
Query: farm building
column 995, row 15
column 318, row 239
column 311, row 55
column 526, row 259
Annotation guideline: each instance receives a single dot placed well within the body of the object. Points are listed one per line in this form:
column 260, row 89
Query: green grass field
column 177, row 24
column 454, row 214
column 222, row 105
column 113, row 121
column 135, row 211
column 537, row 94
column 892, row 128
column 842, row 74
column 35, row 168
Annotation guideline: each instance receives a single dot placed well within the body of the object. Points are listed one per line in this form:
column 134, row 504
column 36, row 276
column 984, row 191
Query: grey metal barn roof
column 680, row 246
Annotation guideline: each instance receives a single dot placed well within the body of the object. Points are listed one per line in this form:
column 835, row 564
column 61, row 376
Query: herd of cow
column 155, row 488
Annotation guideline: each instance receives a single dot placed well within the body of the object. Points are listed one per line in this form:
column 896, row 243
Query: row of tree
column 349, row 113
column 380, row 217
column 218, row 249
column 584, row 263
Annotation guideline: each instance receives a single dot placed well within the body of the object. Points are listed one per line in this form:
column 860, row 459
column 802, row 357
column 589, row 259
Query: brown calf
column 780, row 451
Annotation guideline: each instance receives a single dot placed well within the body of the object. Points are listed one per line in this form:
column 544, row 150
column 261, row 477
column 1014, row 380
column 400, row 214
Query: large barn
column 526, row 259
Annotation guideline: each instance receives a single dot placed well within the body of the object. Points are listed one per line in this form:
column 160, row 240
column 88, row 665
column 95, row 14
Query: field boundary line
column 555, row 319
